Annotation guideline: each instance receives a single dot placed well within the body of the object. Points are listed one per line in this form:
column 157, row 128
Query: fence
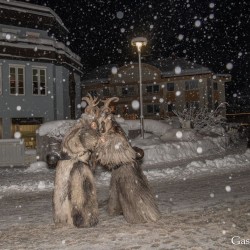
column 11, row 152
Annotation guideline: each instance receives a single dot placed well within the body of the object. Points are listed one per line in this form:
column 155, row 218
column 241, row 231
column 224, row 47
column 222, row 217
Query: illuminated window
column 16, row 80
column 39, row 86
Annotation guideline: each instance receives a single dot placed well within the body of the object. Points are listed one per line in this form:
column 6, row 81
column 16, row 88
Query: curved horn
column 90, row 100
column 105, row 107
column 92, row 105
column 109, row 100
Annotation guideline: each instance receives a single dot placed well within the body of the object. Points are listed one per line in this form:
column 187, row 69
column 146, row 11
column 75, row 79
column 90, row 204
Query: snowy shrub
column 203, row 120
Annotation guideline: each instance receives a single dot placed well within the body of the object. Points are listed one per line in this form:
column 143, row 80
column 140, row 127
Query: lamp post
column 139, row 42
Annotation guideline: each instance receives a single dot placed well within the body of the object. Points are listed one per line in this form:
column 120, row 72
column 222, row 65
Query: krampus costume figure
column 75, row 199
column 129, row 193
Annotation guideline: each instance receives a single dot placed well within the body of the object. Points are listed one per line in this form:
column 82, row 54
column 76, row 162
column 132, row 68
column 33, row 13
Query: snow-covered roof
column 100, row 74
column 31, row 9
column 167, row 67
column 38, row 43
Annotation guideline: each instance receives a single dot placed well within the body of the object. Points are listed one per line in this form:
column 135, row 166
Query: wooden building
column 167, row 84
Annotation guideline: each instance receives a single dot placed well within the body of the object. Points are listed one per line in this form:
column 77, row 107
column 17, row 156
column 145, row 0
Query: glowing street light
column 139, row 42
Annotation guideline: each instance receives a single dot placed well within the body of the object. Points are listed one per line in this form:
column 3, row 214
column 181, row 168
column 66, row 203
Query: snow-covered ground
column 201, row 184
column 171, row 153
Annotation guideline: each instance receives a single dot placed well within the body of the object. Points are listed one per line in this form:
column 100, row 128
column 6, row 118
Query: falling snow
column 135, row 104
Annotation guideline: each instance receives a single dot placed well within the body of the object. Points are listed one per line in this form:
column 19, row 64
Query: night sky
column 213, row 33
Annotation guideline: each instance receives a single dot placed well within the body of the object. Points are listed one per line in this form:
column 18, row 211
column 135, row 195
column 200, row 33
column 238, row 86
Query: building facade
column 39, row 74
column 167, row 84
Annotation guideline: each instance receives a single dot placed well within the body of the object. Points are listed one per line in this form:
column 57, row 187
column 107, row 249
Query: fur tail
column 130, row 191
column 83, row 197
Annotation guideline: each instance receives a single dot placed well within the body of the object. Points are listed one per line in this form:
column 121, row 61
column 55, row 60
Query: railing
column 11, row 152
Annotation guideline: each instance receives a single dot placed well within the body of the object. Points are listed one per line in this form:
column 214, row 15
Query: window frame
column 17, row 67
column 168, row 84
column 39, row 81
column 153, row 105
column 215, row 86
column 128, row 91
column 169, row 107
column 188, row 84
column 106, row 91
column 153, row 88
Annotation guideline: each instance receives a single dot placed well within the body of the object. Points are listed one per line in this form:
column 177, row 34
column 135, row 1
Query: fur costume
column 129, row 193
column 75, row 198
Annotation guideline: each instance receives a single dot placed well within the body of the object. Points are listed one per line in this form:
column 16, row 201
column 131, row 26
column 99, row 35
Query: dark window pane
column 20, row 91
column 106, row 92
column 12, row 84
column 42, row 72
column 124, row 91
column 170, row 86
column 20, row 84
column 149, row 89
column 170, row 107
column 150, row 108
column 35, row 88
column 20, row 71
column 156, row 108
column 156, row 88
column 42, row 91
column 42, row 79
column 12, row 71
column 13, row 91
column 215, row 86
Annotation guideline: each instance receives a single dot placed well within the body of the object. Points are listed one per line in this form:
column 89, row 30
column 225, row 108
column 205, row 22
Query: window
column 192, row 105
column 152, row 88
column 16, row 80
column 215, row 86
column 128, row 91
column 153, row 108
column 39, row 81
column 93, row 93
column 106, row 92
column 170, row 86
column 190, row 85
column 170, row 107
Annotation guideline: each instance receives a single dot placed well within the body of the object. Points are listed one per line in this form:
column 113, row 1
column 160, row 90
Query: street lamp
column 139, row 42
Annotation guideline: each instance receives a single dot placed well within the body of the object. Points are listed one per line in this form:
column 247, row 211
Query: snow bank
column 157, row 151
column 55, row 128
column 198, row 168
column 192, row 170
column 156, row 127
column 38, row 166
